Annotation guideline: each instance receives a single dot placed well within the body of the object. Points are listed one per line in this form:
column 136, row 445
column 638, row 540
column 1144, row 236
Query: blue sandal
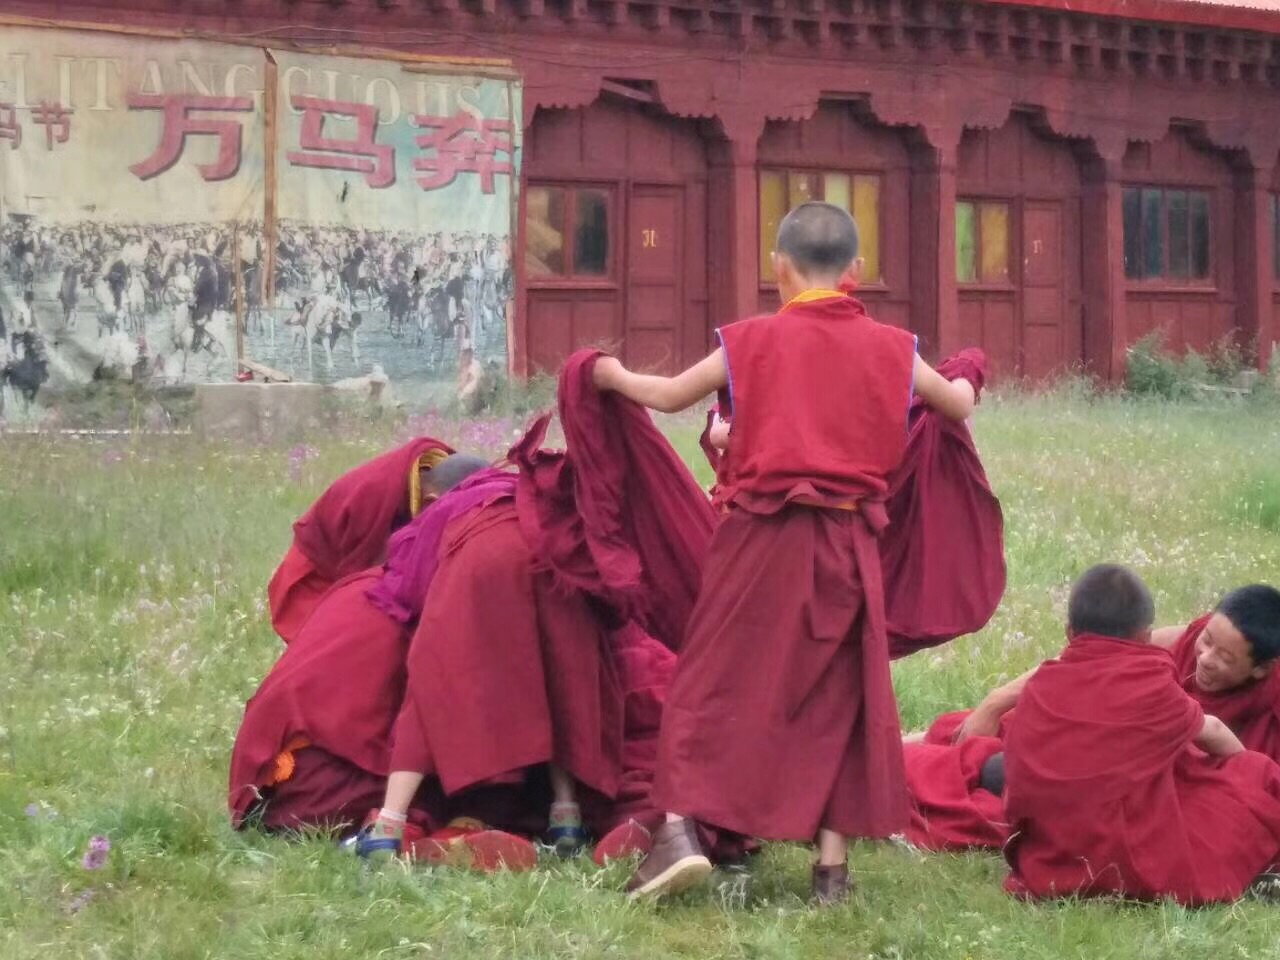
column 369, row 847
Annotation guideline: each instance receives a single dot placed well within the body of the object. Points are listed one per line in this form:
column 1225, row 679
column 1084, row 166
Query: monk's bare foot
column 832, row 885
column 675, row 863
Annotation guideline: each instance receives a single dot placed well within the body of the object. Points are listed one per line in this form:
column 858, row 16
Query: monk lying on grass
column 1116, row 780
column 1224, row 660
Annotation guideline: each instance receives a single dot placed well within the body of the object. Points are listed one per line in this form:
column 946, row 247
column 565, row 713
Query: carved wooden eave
column 1052, row 37
column 936, row 67
column 1078, row 37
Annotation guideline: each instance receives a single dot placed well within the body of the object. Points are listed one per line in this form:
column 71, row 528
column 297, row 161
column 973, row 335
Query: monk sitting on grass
column 1116, row 780
column 1224, row 660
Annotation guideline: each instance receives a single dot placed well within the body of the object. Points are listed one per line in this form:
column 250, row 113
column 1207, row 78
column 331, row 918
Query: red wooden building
column 1051, row 179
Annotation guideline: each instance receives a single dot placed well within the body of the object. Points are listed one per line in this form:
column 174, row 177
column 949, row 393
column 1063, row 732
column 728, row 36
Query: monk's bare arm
column 665, row 394
column 984, row 721
column 1167, row 637
column 954, row 399
column 1217, row 740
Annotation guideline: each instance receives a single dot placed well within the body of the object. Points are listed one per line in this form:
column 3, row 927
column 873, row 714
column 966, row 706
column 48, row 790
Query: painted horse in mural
column 324, row 319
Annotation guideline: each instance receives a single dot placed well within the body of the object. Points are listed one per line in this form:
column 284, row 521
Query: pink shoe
column 625, row 840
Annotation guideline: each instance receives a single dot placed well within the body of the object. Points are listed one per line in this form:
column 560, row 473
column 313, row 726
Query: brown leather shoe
column 831, row 885
column 675, row 863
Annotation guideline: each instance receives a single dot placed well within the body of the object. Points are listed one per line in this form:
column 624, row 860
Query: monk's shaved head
column 820, row 239
column 1110, row 601
column 451, row 471
column 1255, row 611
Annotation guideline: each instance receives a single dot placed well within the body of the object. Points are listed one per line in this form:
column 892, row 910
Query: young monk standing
column 781, row 721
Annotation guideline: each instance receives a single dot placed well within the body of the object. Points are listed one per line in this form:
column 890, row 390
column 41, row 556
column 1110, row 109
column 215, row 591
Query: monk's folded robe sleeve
column 617, row 515
column 943, row 551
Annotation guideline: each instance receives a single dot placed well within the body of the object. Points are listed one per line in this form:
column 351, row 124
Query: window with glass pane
column 1166, row 234
column 783, row 190
column 591, row 233
column 1132, row 232
column 544, row 232
column 1199, row 202
column 966, row 242
column 993, row 240
column 866, row 213
column 1152, row 234
column 773, row 207
column 982, row 242
column 1179, row 234
column 567, row 232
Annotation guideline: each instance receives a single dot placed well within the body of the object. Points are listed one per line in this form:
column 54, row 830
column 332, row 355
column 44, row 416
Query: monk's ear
column 853, row 273
column 784, row 271
column 1262, row 670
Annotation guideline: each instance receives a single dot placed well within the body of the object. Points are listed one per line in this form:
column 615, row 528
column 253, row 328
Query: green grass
column 132, row 630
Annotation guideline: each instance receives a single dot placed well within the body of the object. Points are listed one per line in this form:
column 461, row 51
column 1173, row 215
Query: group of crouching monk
column 579, row 651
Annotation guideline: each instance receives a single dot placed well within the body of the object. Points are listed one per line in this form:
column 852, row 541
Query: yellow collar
column 809, row 296
column 428, row 460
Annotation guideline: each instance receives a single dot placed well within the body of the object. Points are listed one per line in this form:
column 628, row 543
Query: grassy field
column 132, row 628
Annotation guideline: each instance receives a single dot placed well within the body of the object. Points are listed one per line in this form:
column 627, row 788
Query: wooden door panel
column 1042, row 244
column 1042, row 294
column 655, row 284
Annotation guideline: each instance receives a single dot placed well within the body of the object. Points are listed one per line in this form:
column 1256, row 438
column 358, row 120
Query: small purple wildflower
column 298, row 456
column 95, row 858
column 33, row 810
column 112, row 456
column 79, row 901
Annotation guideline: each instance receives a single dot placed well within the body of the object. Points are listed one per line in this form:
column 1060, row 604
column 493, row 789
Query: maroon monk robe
column 1108, row 795
column 781, row 718
column 345, row 531
column 1251, row 711
column 618, row 515
column 644, row 667
column 336, row 689
column 943, row 553
column 949, row 809
column 293, row 593
column 505, row 669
